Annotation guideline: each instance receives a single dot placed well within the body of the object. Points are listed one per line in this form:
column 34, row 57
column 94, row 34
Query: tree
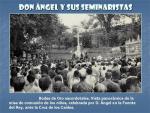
column 86, row 40
column 24, row 27
column 105, row 20
column 67, row 39
column 17, row 26
column 61, row 28
column 87, row 25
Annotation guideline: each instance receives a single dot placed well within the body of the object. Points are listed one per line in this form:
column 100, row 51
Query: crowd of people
column 75, row 75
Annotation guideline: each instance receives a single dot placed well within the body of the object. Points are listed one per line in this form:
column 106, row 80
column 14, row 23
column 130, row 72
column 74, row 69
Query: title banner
column 75, row 7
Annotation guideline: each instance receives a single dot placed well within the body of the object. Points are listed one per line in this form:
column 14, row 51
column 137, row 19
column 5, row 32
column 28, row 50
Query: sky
column 71, row 20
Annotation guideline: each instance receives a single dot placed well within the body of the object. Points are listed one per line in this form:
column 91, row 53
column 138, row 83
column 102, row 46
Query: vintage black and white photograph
column 75, row 53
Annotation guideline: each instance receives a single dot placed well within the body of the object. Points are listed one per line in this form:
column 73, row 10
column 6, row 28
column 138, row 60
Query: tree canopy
column 109, row 34
column 24, row 27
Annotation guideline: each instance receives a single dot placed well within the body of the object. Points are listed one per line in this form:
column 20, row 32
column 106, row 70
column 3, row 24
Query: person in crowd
column 114, row 74
column 45, row 84
column 132, row 70
column 52, row 72
column 83, row 68
column 122, row 82
column 70, row 74
column 132, row 84
column 18, row 84
column 100, row 88
column 31, row 86
column 75, row 79
column 60, row 87
column 44, row 68
column 90, row 79
column 95, row 70
column 11, row 89
column 61, row 70
column 103, row 71
column 82, row 86
column 58, row 78
column 111, row 86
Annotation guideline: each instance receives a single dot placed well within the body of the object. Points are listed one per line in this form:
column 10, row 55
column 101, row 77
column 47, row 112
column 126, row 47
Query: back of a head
column 65, row 89
column 100, row 88
column 75, row 88
column 32, row 72
column 108, row 75
column 18, row 83
column 104, row 68
column 102, row 63
column 57, row 86
column 45, row 75
column 14, row 71
column 31, row 77
column 44, row 69
column 58, row 78
column 83, row 65
column 93, row 62
column 131, row 81
column 83, row 88
column 76, row 73
column 132, row 71
column 123, row 63
column 113, row 88
column 89, row 70
column 123, row 69
column 78, row 66
column 115, row 64
column 52, row 74
column 44, row 83
column 82, row 77
column 115, row 75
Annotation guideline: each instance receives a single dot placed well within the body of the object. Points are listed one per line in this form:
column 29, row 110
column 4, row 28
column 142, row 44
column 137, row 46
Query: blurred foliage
column 25, row 27
column 107, row 34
